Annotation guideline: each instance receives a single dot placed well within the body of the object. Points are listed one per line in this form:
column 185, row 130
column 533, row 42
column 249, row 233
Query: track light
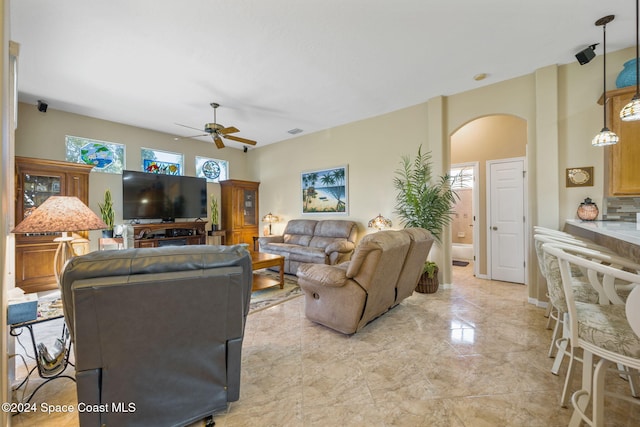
column 586, row 54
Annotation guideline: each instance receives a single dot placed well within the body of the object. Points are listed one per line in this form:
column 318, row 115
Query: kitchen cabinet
column 622, row 159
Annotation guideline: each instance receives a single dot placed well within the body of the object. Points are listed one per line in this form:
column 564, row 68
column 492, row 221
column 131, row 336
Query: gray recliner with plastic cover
column 157, row 332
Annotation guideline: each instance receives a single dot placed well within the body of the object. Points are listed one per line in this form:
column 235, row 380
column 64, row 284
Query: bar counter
column 621, row 237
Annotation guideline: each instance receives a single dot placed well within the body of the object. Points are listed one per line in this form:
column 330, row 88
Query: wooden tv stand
column 169, row 233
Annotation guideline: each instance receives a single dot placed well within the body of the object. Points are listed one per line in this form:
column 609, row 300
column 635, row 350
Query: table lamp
column 61, row 214
column 270, row 219
column 379, row 222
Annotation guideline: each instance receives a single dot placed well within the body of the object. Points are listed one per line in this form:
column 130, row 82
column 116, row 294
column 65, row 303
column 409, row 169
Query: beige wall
column 579, row 120
column 371, row 148
column 42, row 135
column 557, row 114
column 556, row 106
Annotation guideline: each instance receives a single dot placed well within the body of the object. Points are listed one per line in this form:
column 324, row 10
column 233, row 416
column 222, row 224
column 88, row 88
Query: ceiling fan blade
column 230, row 129
column 243, row 140
column 218, row 141
column 177, row 138
column 190, row 127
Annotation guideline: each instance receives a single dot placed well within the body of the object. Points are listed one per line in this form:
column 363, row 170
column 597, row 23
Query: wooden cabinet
column 623, row 158
column 36, row 180
column 240, row 211
column 169, row 234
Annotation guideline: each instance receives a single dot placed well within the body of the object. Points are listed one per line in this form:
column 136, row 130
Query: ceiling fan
column 217, row 131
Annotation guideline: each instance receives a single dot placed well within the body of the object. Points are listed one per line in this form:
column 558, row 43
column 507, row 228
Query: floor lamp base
column 64, row 251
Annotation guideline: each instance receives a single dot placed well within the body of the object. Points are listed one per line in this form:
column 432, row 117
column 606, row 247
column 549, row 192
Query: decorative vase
column 107, row 234
column 428, row 285
column 587, row 211
column 627, row 76
column 214, row 227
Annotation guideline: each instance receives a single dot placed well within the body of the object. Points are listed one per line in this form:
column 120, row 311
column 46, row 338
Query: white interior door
column 507, row 220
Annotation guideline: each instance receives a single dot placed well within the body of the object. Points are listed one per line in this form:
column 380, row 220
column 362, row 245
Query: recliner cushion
column 297, row 239
column 299, row 231
column 312, row 255
column 323, row 242
column 334, row 228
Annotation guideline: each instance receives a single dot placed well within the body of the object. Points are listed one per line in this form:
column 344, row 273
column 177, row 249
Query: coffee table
column 261, row 260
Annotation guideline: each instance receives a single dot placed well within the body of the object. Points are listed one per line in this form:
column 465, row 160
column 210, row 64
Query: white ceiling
column 283, row 64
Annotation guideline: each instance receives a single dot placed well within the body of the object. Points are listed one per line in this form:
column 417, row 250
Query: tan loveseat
column 310, row 241
column 383, row 271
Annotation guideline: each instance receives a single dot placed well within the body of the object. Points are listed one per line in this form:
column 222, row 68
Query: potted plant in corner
column 428, row 282
column 427, row 202
column 106, row 211
column 214, row 213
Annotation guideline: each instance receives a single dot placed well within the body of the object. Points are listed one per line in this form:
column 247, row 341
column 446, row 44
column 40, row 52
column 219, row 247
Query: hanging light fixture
column 605, row 137
column 631, row 111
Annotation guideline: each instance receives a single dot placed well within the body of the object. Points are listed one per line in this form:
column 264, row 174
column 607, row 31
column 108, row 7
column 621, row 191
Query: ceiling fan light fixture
column 217, row 131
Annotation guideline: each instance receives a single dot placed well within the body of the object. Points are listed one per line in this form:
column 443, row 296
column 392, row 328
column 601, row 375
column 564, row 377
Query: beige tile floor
column 472, row 354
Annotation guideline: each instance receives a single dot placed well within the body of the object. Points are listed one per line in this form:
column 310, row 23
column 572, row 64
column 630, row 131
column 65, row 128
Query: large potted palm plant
column 424, row 201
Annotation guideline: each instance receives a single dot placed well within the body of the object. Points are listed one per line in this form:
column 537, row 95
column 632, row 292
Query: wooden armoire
column 239, row 211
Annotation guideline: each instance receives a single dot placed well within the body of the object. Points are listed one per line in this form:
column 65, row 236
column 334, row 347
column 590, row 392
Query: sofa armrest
column 270, row 239
column 323, row 275
column 342, row 246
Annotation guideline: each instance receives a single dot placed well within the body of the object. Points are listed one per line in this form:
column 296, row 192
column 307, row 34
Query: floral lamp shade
column 61, row 214
column 270, row 219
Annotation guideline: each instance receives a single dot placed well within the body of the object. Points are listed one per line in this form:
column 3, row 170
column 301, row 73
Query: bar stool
column 601, row 330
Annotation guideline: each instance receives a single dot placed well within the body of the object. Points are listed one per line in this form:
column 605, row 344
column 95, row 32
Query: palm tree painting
column 325, row 191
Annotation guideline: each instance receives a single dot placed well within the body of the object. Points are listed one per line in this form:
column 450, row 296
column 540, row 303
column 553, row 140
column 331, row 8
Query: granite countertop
column 625, row 231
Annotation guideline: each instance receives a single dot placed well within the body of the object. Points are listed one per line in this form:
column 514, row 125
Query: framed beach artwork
column 325, row 191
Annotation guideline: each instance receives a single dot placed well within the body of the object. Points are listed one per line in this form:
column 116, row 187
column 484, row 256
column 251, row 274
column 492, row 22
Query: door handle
column 494, row 228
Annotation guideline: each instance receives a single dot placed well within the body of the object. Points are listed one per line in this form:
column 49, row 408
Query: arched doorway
column 483, row 140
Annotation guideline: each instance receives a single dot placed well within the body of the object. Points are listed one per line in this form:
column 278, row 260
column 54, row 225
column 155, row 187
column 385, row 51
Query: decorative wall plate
column 580, row 177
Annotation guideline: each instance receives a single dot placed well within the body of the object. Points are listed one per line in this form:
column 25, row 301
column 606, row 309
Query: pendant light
column 631, row 111
column 605, row 137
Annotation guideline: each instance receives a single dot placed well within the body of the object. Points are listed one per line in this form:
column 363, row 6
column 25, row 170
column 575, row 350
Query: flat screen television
column 163, row 197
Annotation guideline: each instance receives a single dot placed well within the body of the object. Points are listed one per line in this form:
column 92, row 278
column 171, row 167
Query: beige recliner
column 383, row 271
column 157, row 332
